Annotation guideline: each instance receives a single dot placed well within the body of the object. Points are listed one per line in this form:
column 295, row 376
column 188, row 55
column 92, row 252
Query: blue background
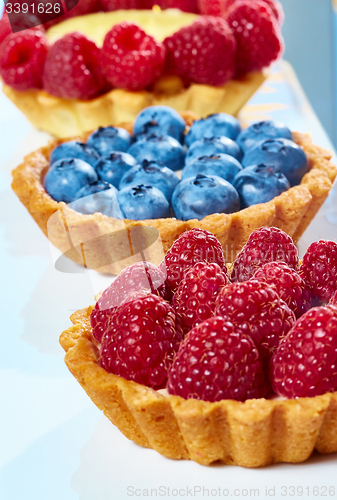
column 308, row 32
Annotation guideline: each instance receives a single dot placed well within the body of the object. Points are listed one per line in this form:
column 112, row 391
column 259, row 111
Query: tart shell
column 67, row 117
column 251, row 434
column 109, row 245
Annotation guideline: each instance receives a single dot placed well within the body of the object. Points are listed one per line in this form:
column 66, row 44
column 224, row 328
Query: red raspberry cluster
column 220, row 340
column 238, row 37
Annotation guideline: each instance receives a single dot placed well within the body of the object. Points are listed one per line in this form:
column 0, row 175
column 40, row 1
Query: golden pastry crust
column 90, row 239
column 67, row 117
column 251, row 434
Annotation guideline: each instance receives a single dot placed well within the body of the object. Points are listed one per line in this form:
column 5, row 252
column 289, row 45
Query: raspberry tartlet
column 102, row 241
column 245, row 384
column 77, row 99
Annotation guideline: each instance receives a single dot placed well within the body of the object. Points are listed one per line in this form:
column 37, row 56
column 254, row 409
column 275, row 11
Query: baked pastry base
column 255, row 433
column 68, row 117
column 109, row 245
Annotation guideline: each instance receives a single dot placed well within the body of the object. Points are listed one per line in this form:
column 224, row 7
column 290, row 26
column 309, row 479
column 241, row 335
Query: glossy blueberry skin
column 283, row 154
column 222, row 165
column 67, row 177
column 164, row 149
column 197, row 197
column 213, row 146
column 74, row 149
column 259, row 184
column 217, row 125
column 107, row 139
column 98, row 197
column 161, row 120
column 151, row 174
column 143, row 202
column 260, row 131
column 112, row 167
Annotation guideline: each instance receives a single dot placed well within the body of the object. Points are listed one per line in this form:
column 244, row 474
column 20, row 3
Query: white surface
column 54, row 443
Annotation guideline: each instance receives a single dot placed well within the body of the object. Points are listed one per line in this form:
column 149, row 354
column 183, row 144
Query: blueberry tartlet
column 165, row 175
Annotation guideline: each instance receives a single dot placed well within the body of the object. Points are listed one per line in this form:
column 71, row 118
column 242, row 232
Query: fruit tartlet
column 88, row 197
column 204, row 361
column 103, row 68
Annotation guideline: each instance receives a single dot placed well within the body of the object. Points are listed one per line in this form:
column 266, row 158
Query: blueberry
column 259, row 184
column 152, row 174
column 112, row 167
column 222, row 165
column 108, row 139
column 74, row 149
column 197, row 197
column 260, row 131
column 282, row 154
column 216, row 125
column 143, row 202
column 213, row 146
column 161, row 120
column 158, row 148
column 67, row 177
column 97, row 197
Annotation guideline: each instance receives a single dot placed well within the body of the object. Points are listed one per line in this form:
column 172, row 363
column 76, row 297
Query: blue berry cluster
column 223, row 168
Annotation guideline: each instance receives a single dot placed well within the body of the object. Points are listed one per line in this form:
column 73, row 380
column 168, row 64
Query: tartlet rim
column 167, row 424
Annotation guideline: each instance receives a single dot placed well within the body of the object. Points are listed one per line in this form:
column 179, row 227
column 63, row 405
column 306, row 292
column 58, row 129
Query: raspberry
column 194, row 299
column 196, row 245
column 287, row 284
column 22, row 58
column 141, row 341
column 216, row 362
column 319, row 269
column 203, row 52
column 139, row 276
column 258, row 36
column 266, row 244
column 305, row 363
column 255, row 309
column 72, row 69
column 130, row 58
